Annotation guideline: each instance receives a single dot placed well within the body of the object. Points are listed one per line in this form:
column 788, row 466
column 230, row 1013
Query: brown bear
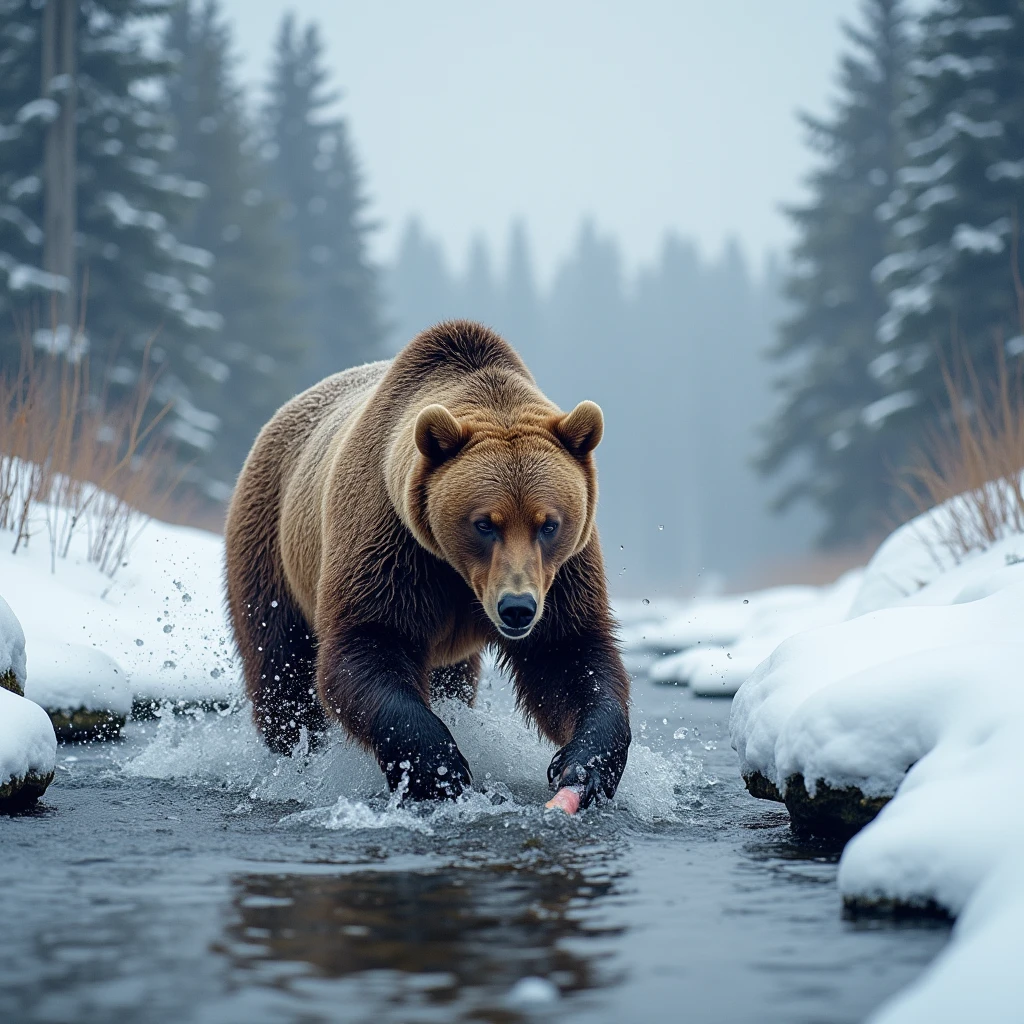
column 394, row 520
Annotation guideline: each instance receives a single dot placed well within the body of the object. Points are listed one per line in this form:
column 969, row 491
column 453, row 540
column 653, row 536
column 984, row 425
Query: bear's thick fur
column 395, row 519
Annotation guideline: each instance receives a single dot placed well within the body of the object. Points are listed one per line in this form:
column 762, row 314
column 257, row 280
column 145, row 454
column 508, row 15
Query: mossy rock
column 834, row 812
column 19, row 794
column 762, row 788
column 148, row 709
column 9, row 681
column 860, row 907
column 83, row 725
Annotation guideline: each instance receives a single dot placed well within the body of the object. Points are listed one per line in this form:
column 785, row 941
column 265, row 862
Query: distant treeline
column 675, row 357
column 224, row 238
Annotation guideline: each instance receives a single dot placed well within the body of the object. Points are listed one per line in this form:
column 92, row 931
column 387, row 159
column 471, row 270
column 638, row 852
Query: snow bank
column 918, row 696
column 156, row 630
column 715, row 664
column 70, row 676
column 915, row 556
column 975, row 977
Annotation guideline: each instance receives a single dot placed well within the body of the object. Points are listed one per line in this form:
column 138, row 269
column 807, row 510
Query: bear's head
column 506, row 503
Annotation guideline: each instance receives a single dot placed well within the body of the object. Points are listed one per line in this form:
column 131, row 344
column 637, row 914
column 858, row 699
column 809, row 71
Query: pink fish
column 566, row 799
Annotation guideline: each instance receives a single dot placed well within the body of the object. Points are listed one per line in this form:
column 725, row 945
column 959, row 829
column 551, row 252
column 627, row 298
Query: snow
column 68, row 676
column 990, row 239
column 916, row 696
column 875, row 414
column 1011, row 169
column 43, row 109
column 156, row 630
column 27, row 740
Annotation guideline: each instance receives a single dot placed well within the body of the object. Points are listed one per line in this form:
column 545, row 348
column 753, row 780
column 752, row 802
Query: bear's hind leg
column 279, row 661
column 459, row 681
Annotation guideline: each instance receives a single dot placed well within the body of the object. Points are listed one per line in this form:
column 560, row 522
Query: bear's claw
column 593, row 773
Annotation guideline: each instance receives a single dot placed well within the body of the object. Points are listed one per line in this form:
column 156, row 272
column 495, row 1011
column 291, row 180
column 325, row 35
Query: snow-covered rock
column 915, row 709
column 28, row 746
column 12, row 650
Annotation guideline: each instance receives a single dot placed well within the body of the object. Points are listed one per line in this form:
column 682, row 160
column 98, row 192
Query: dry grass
column 74, row 461
column 972, row 464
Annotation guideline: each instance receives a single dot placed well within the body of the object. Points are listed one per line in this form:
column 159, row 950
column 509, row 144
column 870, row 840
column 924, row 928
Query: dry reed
column 972, row 463
column 73, row 460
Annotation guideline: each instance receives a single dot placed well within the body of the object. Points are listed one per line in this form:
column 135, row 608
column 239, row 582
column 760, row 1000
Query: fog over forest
column 674, row 355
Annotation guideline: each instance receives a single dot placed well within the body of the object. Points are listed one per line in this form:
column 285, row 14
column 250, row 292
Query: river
column 185, row 875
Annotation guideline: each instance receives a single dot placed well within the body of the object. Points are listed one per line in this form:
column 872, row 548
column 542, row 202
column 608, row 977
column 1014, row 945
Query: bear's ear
column 582, row 429
column 439, row 435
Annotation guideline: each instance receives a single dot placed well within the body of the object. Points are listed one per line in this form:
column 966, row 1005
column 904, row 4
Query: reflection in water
column 456, row 941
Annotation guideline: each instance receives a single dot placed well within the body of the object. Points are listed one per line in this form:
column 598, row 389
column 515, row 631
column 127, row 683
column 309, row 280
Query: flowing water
column 186, row 874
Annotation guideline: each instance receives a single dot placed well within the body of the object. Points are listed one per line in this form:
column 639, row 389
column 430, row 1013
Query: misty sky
column 650, row 115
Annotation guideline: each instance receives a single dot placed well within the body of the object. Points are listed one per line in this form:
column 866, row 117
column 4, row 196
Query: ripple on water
column 341, row 785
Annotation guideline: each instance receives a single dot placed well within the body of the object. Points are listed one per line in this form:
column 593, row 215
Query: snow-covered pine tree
column 137, row 281
column 314, row 171
column 253, row 358
column 956, row 214
column 827, row 349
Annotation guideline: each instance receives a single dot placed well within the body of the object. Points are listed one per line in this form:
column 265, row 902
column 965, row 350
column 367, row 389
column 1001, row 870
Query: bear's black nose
column 517, row 610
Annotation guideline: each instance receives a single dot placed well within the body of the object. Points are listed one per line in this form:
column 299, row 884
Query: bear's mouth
column 511, row 633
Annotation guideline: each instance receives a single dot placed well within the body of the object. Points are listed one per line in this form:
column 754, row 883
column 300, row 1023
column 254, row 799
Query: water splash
column 341, row 786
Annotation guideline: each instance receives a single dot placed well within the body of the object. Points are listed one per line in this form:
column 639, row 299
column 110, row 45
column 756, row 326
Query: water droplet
column 745, row 601
column 441, row 770
column 647, row 600
column 168, row 628
column 660, row 527
column 728, row 654
column 185, row 598
column 138, row 643
column 273, row 604
column 664, row 721
column 622, row 547
column 681, row 733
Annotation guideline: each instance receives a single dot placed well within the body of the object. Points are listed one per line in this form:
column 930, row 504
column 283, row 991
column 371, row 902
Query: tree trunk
column 60, row 214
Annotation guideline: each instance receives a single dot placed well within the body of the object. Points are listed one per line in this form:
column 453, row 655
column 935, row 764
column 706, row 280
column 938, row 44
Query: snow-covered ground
column 918, row 696
column 157, row 629
column 28, row 746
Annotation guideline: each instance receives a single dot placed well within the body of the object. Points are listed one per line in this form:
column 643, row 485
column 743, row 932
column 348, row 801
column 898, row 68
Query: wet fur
column 343, row 603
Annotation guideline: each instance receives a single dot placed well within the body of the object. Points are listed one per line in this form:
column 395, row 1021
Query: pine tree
column 137, row 280
column 419, row 286
column 313, row 169
column 519, row 317
column 253, row 357
column 824, row 436
column 954, row 282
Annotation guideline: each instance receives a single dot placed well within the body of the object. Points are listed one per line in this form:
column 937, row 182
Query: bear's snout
column 517, row 612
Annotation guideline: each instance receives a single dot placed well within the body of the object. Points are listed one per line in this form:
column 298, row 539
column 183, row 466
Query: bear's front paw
column 434, row 772
column 593, row 772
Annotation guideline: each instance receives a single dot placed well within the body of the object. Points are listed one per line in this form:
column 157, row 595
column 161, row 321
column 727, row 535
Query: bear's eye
column 550, row 528
column 484, row 527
